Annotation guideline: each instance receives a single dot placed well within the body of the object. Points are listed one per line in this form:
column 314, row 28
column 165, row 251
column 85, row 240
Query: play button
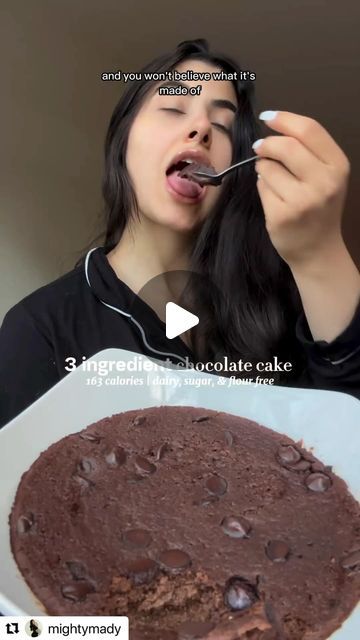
column 175, row 304
column 178, row 320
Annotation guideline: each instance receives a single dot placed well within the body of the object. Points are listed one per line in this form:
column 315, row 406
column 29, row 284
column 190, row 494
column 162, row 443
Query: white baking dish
column 326, row 421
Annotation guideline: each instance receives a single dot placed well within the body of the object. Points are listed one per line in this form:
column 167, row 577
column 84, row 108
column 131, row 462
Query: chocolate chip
column 138, row 538
column 239, row 594
column 277, row 551
column 352, row 561
column 83, row 483
column 77, row 570
column 116, row 457
column 160, row 451
column 142, row 570
column 143, row 465
column 92, row 437
column 318, row 482
column 235, row 527
column 77, row 591
column 139, row 420
column 86, row 465
column 201, row 419
column 229, row 438
column 175, row 559
column 25, row 523
column 287, row 454
column 193, row 630
column 216, row 485
column 302, row 465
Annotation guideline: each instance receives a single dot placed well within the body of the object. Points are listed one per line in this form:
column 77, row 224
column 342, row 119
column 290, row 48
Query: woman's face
column 169, row 125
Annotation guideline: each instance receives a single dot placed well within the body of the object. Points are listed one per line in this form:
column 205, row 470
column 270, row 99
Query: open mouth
column 183, row 186
column 178, row 166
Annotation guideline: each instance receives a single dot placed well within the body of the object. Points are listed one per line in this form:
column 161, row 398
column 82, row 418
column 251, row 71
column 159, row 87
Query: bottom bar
column 70, row 627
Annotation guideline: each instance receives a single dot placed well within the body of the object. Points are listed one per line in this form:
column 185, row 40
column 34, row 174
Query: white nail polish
column 268, row 115
column 257, row 143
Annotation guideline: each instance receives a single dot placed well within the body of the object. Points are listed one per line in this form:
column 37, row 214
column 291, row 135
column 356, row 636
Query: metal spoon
column 205, row 175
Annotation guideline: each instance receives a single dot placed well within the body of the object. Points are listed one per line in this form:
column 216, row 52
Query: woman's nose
column 201, row 133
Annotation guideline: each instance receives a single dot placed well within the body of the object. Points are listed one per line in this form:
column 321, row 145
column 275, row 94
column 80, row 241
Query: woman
column 282, row 280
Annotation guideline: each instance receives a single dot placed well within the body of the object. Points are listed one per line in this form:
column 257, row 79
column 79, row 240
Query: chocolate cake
column 195, row 524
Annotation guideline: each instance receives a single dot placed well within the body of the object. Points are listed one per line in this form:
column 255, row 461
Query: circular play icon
column 172, row 313
column 178, row 320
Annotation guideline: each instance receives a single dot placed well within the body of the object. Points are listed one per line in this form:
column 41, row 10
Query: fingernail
column 257, row 143
column 268, row 115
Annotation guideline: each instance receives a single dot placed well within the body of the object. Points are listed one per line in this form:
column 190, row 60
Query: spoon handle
column 238, row 164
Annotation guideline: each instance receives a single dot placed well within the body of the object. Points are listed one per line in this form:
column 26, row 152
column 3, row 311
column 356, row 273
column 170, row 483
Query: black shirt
column 88, row 310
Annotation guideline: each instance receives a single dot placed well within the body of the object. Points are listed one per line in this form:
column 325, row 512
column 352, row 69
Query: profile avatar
column 33, row 628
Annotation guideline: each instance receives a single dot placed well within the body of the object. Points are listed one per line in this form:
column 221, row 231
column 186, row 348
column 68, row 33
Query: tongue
column 183, row 186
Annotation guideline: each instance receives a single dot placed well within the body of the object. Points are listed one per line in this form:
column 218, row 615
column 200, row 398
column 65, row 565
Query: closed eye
column 172, row 109
column 221, row 127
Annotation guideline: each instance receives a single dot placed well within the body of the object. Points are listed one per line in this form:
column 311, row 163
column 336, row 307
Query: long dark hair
column 254, row 302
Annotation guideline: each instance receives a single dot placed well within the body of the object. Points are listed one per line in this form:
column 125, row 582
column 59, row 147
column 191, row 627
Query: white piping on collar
column 128, row 315
column 349, row 355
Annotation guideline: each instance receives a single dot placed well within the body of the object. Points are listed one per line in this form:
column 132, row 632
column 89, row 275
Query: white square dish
column 327, row 422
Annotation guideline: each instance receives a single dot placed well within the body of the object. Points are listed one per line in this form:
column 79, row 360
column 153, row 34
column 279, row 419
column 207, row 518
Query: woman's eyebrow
column 217, row 103
column 224, row 104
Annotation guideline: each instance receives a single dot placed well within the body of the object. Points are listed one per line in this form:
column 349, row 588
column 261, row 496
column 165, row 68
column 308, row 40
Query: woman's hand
column 304, row 176
column 303, row 185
